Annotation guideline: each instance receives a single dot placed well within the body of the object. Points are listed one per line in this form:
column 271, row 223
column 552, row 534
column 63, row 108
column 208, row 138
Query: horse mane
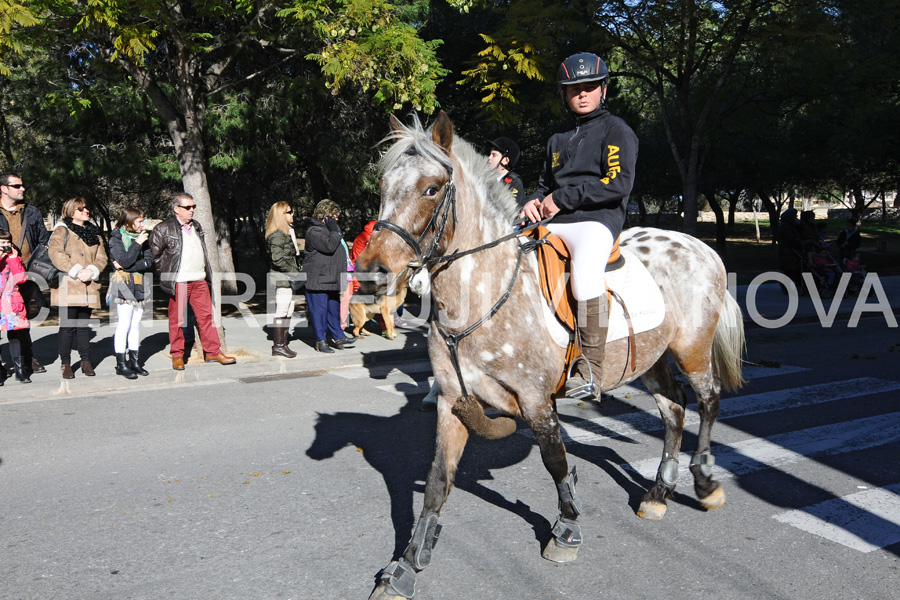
column 416, row 140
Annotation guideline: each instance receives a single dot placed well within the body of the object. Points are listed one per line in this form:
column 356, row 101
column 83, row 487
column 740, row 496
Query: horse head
column 417, row 218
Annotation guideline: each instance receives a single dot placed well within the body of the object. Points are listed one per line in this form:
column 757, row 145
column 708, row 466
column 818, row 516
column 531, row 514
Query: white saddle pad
column 634, row 284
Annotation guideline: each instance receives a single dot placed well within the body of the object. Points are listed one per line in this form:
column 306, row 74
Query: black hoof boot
column 322, row 346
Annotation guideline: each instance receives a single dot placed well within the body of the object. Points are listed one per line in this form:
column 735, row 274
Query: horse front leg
column 566, row 533
column 671, row 401
column 398, row 579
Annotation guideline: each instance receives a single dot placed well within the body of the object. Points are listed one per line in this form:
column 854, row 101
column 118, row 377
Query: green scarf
column 127, row 237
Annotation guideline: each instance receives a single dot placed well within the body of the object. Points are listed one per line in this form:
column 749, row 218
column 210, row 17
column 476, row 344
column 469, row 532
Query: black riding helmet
column 581, row 68
column 509, row 149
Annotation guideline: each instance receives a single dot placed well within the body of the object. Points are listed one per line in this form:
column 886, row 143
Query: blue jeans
column 324, row 311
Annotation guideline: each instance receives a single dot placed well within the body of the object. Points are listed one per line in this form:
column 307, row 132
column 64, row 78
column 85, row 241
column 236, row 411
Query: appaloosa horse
column 445, row 228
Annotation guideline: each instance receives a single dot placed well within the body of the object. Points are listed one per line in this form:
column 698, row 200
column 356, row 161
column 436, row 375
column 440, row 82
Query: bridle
column 425, row 259
column 446, row 206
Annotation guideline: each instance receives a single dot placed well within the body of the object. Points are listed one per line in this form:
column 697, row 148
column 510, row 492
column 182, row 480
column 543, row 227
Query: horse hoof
column 380, row 593
column 652, row 511
column 559, row 554
column 714, row 500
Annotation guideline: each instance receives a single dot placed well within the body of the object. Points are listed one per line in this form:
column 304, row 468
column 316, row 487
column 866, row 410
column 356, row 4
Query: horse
column 444, row 228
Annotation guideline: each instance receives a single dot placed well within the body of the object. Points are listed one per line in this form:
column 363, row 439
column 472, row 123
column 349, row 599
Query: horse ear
column 396, row 125
column 442, row 132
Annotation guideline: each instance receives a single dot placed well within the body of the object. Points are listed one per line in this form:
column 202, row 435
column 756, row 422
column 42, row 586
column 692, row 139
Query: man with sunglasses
column 181, row 260
column 26, row 224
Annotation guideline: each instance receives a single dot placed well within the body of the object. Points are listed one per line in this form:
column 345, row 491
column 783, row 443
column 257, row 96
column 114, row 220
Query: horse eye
column 431, row 190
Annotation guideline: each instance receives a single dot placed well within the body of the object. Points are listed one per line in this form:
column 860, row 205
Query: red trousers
column 197, row 294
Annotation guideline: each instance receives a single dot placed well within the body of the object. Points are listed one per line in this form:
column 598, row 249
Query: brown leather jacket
column 166, row 248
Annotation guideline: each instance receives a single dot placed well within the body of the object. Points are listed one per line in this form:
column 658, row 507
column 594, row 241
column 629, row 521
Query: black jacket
column 589, row 169
column 324, row 259
column 33, row 224
column 136, row 260
column 515, row 184
column 166, row 247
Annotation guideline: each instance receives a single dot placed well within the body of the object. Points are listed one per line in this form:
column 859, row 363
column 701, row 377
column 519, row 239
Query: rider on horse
column 584, row 186
column 504, row 156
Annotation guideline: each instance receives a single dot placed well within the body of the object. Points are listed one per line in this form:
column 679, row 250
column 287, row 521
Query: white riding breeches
column 590, row 244
column 284, row 303
column 128, row 328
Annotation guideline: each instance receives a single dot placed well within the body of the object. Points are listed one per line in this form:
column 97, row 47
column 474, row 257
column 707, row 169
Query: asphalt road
column 304, row 486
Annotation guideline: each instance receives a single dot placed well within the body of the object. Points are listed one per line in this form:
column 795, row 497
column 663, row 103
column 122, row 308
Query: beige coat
column 70, row 260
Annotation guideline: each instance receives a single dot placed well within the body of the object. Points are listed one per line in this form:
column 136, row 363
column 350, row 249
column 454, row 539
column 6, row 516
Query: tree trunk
column 772, row 209
column 5, row 143
column 733, row 200
column 721, row 238
column 689, row 200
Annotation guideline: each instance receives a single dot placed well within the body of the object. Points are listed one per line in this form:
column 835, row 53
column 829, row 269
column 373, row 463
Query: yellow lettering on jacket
column 555, row 160
column 613, row 162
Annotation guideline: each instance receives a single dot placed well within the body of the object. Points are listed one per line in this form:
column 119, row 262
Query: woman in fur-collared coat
column 77, row 250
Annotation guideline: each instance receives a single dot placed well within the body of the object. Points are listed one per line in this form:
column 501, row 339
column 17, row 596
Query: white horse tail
column 728, row 344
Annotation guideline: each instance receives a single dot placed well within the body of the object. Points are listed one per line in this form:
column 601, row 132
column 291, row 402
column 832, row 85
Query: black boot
column 587, row 375
column 133, row 363
column 122, row 367
column 22, row 373
column 322, row 346
column 4, row 374
column 280, row 337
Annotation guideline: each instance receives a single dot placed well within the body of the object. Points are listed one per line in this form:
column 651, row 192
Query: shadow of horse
column 397, row 446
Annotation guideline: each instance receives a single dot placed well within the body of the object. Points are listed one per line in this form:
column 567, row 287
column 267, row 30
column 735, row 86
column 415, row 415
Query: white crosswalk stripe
column 780, row 450
column 863, row 521
column 594, row 431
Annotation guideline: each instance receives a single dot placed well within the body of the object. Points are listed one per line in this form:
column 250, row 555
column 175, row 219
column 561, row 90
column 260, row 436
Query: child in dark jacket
column 130, row 254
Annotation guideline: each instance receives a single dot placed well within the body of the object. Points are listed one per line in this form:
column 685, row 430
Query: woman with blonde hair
column 131, row 258
column 78, row 251
column 283, row 251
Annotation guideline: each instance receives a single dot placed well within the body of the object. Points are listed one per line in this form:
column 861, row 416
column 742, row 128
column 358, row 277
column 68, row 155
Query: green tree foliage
column 368, row 43
column 185, row 57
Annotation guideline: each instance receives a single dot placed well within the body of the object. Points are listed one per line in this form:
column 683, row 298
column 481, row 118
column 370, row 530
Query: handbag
column 298, row 280
column 39, row 263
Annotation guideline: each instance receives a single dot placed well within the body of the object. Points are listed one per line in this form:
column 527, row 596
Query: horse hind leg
column 398, row 579
column 708, row 388
column 671, row 401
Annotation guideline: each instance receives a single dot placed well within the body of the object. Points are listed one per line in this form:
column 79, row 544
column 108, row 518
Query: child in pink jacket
column 13, row 319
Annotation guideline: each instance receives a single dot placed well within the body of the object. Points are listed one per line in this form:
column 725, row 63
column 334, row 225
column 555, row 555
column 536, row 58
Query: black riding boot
column 123, row 368
column 4, row 374
column 133, row 363
column 592, row 329
column 22, row 372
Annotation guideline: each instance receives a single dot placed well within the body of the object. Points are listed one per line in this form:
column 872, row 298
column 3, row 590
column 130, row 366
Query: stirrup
column 588, row 390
